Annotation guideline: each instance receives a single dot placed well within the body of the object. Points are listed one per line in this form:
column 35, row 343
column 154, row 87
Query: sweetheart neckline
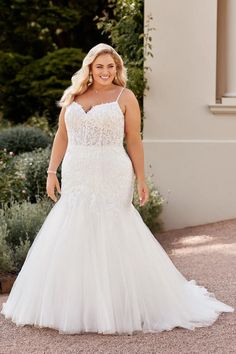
column 96, row 105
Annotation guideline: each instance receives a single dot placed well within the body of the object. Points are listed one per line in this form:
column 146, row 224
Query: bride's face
column 103, row 69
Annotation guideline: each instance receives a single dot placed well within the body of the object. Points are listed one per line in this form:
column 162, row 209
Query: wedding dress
column 94, row 265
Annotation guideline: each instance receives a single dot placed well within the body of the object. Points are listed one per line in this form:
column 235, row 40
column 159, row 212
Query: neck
column 98, row 87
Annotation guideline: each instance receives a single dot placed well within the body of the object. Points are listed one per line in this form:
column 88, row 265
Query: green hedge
column 21, row 138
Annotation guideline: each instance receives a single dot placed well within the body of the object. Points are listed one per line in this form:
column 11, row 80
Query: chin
column 108, row 82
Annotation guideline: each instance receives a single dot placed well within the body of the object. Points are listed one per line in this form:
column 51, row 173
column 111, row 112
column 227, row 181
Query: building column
column 229, row 96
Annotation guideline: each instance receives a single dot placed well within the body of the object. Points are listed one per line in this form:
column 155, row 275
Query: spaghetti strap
column 120, row 94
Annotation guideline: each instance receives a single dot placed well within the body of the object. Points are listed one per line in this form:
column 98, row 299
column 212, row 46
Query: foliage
column 38, row 85
column 20, row 253
column 37, row 27
column 19, row 225
column 151, row 211
column 24, row 220
column 147, row 50
column 23, row 177
column 21, row 138
column 10, row 64
column 40, row 122
column 42, row 45
column 33, row 167
column 6, row 254
column 11, row 181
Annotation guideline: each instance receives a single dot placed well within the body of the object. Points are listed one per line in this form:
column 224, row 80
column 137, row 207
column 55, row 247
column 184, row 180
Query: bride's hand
column 143, row 192
column 52, row 182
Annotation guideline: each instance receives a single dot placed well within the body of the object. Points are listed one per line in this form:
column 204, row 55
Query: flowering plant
column 151, row 211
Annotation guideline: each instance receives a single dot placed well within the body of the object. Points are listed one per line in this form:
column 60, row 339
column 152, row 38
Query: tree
column 39, row 84
column 43, row 44
column 36, row 27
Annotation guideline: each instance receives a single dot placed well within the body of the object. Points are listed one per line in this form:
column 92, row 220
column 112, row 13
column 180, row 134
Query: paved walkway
column 205, row 253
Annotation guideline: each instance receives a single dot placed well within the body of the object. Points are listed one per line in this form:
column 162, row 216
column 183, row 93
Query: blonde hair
column 80, row 80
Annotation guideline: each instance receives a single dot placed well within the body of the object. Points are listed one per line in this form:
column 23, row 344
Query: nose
column 105, row 72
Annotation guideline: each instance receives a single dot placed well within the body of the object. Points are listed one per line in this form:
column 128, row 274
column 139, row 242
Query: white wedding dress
column 94, row 266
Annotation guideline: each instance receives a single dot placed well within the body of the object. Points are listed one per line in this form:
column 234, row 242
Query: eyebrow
column 103, row 65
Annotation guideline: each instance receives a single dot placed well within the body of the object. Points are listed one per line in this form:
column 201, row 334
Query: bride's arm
column 58, row 151
column 134, row 142
column 59, row 143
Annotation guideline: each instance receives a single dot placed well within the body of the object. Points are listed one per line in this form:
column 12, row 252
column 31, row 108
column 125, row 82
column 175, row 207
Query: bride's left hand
column 143, row 192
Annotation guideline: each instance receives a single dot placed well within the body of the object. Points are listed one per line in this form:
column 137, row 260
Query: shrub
column 33, row 167
column 6, row 254
column 24, row 220
column 23, row 177
column 40, row 122
column 11, row 181
column 151, row 211
column 19, row 225
column 20, row 139
column 20, row 253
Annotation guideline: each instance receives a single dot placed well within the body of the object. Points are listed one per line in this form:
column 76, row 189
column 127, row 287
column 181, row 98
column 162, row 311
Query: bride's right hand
column 52, row 182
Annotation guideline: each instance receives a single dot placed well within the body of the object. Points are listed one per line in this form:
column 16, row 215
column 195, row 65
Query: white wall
column 190, row 149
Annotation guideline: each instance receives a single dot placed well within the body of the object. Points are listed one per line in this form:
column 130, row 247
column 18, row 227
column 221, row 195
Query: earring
column 90, row 78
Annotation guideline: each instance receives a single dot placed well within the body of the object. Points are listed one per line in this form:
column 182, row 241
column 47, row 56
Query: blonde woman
column 94, row 265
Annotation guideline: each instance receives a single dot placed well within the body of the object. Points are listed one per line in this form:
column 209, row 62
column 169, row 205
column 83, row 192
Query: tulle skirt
column 103, row 271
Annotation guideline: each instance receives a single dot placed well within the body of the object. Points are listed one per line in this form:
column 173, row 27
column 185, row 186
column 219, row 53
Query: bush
column 151, row 211
column 41, row 122
column 24, row 220
column 20, row 139
column 6, row 254
column 23, row 177
column 20, row 253
column 33, row 167
column 11, row 181
column 19, row 225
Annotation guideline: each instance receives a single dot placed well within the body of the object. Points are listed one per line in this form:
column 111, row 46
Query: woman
column 94, row 265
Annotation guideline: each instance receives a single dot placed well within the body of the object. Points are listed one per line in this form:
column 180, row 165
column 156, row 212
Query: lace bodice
column 96, row 166
column 102, row 125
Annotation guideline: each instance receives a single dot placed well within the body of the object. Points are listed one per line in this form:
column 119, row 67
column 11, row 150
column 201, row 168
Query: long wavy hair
column 81, row 80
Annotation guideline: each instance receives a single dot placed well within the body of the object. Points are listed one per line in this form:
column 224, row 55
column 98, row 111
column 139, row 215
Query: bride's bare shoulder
column 128, row 98
column 129, row 95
